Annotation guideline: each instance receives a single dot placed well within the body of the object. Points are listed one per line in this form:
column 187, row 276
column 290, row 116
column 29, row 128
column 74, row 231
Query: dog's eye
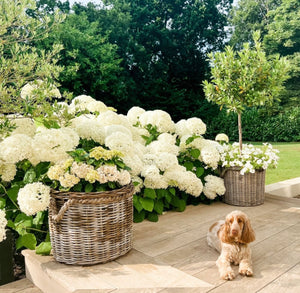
column 240, row 220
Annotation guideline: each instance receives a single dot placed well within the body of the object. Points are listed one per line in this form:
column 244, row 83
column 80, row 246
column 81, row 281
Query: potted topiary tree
column 247, row 78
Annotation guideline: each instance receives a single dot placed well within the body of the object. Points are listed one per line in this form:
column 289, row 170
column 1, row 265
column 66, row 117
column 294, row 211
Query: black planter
column 6, row 259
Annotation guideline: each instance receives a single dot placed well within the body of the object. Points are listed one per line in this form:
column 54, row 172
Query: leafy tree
column 279, row 22
column 20, row 62
column 249, row 16
column 245, row 79
column 163, row 46
column 91, row 63
column 283, row 37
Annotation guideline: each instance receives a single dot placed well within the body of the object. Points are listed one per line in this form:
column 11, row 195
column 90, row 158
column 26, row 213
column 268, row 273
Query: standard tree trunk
column 240, row 130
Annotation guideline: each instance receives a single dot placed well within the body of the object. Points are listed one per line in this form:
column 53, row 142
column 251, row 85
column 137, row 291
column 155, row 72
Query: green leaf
column 147, row 203
column 13, row 193
column 199, row 171
column 41, row 168
column 136, row 203
column 189, row 140
column 172, row 191
column 150, row 193
column 44, row 248
column 78, row 187
column 88, row 187
column 168, row 197
column 159, row 206
column 2, row 203
column 161, row 193
column 29, row 176
column 11, row 224
column 152, row 217
column 39, row 219
column 22, row 222
column 139, row 217
column 188, row 165
column 27, row 240
column 195, row 153
column 180, row 204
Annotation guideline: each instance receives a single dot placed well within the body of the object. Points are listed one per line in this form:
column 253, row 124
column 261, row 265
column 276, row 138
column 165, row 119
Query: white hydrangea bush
column 153, row 146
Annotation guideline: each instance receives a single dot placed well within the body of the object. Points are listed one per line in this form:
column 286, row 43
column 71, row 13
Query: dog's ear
column 248, row 234
column 224, row 233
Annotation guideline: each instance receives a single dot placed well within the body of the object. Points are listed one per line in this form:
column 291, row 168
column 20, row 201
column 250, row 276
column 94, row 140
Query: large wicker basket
column 244, row 190
column 91, row 228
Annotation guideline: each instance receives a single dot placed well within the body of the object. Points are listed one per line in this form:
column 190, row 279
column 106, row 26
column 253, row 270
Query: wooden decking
column 173, row 256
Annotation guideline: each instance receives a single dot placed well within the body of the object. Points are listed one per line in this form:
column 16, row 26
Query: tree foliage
column 279, row 22
column 20, row 62
column 148, row 53
column 245, row 79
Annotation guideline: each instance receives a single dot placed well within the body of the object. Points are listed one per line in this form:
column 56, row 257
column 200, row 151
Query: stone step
column 134, row 272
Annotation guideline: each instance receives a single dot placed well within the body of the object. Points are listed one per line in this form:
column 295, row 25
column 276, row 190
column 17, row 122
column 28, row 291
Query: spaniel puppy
column 231, row 238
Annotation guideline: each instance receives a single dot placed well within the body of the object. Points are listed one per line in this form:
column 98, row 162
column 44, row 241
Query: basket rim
column 126, row 189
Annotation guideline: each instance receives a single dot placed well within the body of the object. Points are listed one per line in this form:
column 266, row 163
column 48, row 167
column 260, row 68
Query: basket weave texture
column 91, row 227
column 244, row 190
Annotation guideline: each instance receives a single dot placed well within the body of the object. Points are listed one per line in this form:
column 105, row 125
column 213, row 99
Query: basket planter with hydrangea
column 90, row 211
column 244, row 172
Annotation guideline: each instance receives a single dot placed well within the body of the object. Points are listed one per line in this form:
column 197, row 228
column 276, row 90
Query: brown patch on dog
column 212, row 226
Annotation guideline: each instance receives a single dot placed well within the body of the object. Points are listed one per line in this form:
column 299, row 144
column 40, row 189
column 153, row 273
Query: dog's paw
column 228, row 276
column 246, row 272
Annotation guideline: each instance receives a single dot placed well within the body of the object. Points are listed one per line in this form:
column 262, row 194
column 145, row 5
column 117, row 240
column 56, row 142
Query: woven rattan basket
column 90, row 228
column 244, row 190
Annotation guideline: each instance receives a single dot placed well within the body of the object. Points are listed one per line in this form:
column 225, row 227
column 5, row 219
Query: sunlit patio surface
column 172, row 255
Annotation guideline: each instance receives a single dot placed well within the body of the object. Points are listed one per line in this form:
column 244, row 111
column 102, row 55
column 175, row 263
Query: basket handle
column 59, row 215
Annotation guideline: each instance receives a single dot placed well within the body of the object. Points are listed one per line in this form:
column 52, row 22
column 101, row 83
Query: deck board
column 173, row 256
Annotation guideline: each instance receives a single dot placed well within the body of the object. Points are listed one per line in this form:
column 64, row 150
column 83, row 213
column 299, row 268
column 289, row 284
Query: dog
column 231, row 238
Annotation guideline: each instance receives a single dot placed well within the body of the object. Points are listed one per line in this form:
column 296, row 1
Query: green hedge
column 258, row 125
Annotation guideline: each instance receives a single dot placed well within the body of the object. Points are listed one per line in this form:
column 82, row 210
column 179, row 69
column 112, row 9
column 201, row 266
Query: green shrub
column 258, row 125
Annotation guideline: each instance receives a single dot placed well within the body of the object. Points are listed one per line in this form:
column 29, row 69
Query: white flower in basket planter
column 244, row 172
column 91, row 212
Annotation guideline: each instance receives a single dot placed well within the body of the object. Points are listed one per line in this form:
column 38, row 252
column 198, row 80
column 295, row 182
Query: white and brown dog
column 231, row 238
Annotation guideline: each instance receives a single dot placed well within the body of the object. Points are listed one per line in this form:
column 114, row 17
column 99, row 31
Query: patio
column 173, row 256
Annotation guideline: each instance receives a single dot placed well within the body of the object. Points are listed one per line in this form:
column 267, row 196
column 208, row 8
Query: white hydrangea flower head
column 96, row 106
column 134, row 113
column 134, row 162
column 33, row 198
column 166, row 161
column 119, row 141
column 185, row 180
column 88, row 127
column 80, row 103
column 112, row 118
column 210, row 156
column 16, row 148
column 195, row 126
column 161, row 119
column 8, row 172
column 3, row 223
column 51, row 145
column 222, row 137
column 23, row 126
column 181, row 128
column 159, row 146
column 124, row 177
column 167, row 138
column 28, row 90
column 214, row 186
column 110, row 129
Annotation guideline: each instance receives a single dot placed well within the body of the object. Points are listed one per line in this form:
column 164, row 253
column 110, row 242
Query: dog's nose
column 234, row 232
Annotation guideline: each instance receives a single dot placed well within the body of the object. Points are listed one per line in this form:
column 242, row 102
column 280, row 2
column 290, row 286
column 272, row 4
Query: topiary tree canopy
column 247, row 78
